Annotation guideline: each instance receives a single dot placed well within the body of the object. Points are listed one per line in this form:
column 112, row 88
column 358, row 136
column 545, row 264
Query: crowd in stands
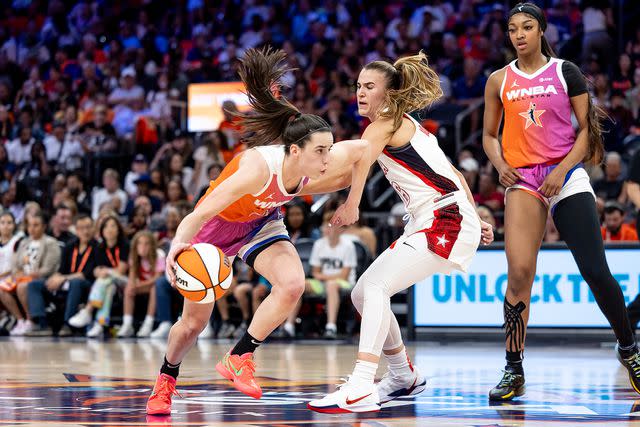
column 98, row 170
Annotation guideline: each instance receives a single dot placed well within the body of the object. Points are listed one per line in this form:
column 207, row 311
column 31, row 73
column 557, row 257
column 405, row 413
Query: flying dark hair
column 274, row 118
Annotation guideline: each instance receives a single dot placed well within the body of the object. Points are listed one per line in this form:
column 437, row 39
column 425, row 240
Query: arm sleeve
column 576, row 83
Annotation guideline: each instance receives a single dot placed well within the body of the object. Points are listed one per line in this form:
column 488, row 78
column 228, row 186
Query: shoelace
column 167, row 389
column 249, row 364
column 507, row 378
column 345, row 381
column 634, row 362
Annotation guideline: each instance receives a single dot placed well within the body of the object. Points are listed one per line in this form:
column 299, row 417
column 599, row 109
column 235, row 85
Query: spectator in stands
column 213, row 172
column 633, row 186
column 206, row 155
column 64, row 151
column 469, row 168
column 298, row 222
column 610, row 187
column 178, row 171
column 60, row 225
column 36, row 170
column 38, row 257
column 488, row 193
column 615, row 229
column 112, row 257
column 143, row 185
column 98, row 136
column 146, row 266
column 111, row 190
column 179, row 145
column 139, row 167
column 597, row 17
column 128, row 93
column 139, row 219
column 75, row 274
column 333, row 262
column 76, row 187
column 19, row 149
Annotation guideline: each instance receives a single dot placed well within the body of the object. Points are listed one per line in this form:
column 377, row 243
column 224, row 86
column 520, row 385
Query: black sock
column 514, row 361
column 247, row 344
column 169, row 369
column 628, row 351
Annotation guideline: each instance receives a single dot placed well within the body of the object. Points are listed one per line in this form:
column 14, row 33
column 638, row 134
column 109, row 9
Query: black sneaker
column 632, row 363
column 511, row 385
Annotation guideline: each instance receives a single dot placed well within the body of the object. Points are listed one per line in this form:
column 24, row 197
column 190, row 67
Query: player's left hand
column 346, row 214
column 486, row 233
column 553, row 183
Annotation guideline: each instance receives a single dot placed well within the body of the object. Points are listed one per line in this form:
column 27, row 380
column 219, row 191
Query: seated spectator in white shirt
column 111, row 189
column 19, row 149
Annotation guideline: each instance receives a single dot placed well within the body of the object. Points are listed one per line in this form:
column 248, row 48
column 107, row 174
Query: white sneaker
column 17, row 329
column 145, row 329
column 126, row 331
column 95, row 331
column 22, row 328
column 207, row 332
column 289, row 330
column 162, row 331
column 348, row 398
column 392, row 387
column 80, row 319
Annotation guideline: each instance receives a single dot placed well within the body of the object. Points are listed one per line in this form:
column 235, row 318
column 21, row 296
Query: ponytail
column 595, row 116
column 260, row 71
column 274, row 119
column 546, row 48
column 411, row 85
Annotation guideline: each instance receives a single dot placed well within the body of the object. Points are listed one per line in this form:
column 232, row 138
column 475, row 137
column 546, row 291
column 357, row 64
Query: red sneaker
column 239, row 370
column 159, row 402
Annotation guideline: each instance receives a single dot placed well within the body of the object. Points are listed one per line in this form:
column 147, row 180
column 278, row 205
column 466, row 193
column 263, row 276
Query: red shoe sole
column 158, row 412
column 222, row 370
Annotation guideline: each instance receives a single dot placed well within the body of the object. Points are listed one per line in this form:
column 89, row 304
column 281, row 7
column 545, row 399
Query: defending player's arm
column 250, row 177
column 377, row 134
column 491, row 128
column 553, row 183
column 344, row 160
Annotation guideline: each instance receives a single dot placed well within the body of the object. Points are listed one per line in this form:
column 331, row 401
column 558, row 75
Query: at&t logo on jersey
column 534, row 91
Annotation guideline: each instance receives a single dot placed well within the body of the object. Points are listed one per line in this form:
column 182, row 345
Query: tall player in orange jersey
column 540, row 163
column 240, row 214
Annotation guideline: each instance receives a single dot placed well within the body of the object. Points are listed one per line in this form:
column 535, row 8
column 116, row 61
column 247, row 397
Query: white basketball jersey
column 433, row 195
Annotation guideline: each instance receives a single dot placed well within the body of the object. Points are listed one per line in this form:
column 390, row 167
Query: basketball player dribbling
column 442, row 235
column 540, row 163
column 240, row 214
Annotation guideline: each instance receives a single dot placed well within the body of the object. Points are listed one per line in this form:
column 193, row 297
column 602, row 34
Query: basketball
column 203, row 273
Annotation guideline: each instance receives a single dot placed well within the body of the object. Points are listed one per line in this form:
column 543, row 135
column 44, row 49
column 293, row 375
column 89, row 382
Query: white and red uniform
column 443, row 234
column 433, row 197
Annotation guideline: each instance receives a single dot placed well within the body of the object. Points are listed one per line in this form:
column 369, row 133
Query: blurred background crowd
column 98, row 168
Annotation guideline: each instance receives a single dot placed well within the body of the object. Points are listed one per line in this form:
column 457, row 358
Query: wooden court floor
column 45, row 382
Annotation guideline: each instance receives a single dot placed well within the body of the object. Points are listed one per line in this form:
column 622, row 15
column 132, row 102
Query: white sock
column 148, row 320
column 364, row 372
column 331, row 326
column 399, row 363
column 127, row 320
